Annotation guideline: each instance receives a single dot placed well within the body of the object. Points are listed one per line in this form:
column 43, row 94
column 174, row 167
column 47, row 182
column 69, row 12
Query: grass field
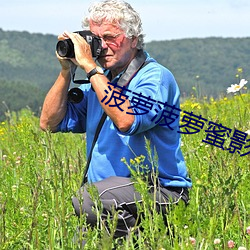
column 40, row 172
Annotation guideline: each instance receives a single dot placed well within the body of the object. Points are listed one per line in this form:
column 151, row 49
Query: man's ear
column 134, row 42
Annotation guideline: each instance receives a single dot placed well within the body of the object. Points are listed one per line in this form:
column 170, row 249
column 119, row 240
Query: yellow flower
column 195, row 105
column 138, row 160
column 240, row 70
column 132, row 162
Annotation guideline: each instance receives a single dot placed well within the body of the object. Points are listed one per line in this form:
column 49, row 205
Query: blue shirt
column 152, row 84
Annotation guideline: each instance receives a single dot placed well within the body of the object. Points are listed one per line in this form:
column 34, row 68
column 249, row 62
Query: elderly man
column 140, row 98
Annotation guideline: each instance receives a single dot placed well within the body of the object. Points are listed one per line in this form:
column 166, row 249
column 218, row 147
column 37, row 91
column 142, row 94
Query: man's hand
column 83, row 54
column 66, row 63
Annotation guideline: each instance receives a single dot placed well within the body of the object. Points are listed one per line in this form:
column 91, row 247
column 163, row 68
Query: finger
column 75, row 37
column 62, row 36
column 69, row 60
column 66, row 33
column 70, row 34
column 59, row 57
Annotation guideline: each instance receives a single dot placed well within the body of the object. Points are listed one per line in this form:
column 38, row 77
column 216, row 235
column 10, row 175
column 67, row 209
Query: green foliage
column 28, row 58
column 36, row 184
column 14, row 95
column 28, row 68
column 201, row 66
column 40, row 172
column 211, row 59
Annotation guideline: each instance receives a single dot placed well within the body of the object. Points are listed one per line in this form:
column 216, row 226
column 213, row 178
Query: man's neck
column 117, row 71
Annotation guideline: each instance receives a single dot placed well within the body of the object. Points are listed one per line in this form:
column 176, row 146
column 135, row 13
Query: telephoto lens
column 65, row 48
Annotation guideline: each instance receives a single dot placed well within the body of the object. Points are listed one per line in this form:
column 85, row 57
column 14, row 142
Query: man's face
column 118, row 50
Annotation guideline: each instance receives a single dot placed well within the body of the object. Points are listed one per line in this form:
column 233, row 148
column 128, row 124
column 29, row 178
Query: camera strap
column 97, row 132
column 136, row 64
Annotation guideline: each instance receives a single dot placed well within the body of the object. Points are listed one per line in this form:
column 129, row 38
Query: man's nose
column 104, row 44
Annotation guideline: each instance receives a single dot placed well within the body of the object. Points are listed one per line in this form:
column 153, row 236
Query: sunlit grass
column 40, row 172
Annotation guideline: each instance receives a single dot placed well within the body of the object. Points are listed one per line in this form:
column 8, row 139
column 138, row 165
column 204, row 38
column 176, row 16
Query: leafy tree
column 17, row 95
column 29, row 67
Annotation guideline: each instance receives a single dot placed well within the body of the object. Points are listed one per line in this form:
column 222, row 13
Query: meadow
column 40, row 172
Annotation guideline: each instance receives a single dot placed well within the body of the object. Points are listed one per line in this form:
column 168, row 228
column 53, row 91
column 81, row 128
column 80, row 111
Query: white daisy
column 237, row 87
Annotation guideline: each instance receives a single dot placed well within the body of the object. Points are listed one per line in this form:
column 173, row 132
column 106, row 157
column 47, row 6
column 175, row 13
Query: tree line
column 202, row 67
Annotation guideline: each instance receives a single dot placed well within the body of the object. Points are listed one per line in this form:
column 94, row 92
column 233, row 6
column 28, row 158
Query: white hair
column 120, row 13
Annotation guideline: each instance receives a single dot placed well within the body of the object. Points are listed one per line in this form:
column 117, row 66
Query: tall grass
column 40, row 172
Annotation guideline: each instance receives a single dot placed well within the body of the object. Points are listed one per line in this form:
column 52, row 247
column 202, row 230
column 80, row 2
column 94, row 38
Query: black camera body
column 65, row 48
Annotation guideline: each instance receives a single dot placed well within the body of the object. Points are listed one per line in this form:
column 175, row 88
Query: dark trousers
column 119, row 194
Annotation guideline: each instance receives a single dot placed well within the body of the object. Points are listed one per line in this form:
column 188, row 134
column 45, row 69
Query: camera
column 65, row 48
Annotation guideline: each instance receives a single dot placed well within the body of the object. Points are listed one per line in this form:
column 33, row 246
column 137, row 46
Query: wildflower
column 137, row 159
column 192, row 240
column 242, row 248
column 248, row 132
column 45, row 216
column 14, row 188
column 248, row 230
column 237, row 87
column 205, row 158
column 22, row 210
column 198, row 182
column 195, row 105
column 240, row 70
column 216, row 241
column 132, row 162
column 230, row 244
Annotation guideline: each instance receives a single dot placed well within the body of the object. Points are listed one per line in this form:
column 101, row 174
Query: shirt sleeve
column 150, row 90
column 75, row 118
